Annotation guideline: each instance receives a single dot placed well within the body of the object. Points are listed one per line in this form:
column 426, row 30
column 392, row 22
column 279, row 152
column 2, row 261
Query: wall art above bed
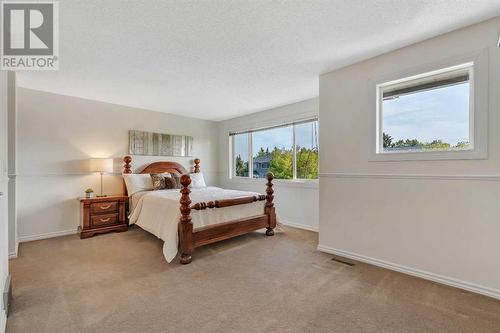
column 158, row 144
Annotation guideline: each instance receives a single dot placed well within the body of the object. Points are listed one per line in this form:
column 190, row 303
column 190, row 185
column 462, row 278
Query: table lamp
column 101, row 165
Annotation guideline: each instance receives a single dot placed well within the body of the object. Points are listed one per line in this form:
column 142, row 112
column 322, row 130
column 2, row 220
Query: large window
column 427, row 113
column 306, row 143
column 289, row 151
column 241, row 156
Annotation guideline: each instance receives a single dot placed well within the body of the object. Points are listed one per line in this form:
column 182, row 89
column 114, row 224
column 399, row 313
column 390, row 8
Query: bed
column 188, row 218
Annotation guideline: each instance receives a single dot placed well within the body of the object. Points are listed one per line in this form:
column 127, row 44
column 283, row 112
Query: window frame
column 478, row 109
column 232, row 158
column 232, row 169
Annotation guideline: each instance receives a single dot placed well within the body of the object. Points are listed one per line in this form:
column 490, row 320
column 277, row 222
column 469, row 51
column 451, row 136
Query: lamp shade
column 101, row 165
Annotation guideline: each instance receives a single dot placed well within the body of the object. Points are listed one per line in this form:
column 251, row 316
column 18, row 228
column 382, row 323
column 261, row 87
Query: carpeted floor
column 120, row 282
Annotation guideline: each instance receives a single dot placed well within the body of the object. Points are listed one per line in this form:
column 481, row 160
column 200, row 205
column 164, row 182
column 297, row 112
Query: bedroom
column 367, row 230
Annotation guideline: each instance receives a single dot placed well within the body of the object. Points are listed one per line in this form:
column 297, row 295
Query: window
column 289, row 151
column 275, row 147
column 438, row 113
column 306, row 141
column 240, row 160
column 427, row 113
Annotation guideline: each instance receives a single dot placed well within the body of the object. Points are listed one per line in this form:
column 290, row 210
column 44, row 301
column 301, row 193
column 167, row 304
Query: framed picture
column 158, row 144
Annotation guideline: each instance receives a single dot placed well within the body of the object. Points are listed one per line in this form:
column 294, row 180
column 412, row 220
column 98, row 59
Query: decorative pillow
column 197, row 180
column 177, row 178
column 170, row 183
column 137, row 182
column 158, row 180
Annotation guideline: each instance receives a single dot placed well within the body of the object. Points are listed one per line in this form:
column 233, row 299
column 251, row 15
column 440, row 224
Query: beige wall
column 56, row 136
column 436, row 219
column 297, row 203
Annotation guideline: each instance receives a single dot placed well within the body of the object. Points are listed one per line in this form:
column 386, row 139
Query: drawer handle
column 105, row 207
column 105, row 220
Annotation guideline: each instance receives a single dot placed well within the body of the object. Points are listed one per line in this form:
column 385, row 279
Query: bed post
column 185, row 225
column 270, row 210
column 126, row 169
column 197, row 165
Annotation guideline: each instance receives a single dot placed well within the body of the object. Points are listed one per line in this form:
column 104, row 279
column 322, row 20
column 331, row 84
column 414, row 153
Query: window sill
column 430, row 156
column 312, row 183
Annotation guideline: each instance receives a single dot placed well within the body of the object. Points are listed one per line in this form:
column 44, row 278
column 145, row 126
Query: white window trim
column 232, row 169
column 478, row 111
column 295, row 182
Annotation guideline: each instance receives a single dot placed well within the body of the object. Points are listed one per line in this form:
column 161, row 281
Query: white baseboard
column 472, row 287
column 30, row 238
column 299, row 226
column 13, row 255
column 3, row 321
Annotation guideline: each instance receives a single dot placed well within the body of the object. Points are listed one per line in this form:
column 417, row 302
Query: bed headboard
column 163, row 167
column 159, row 167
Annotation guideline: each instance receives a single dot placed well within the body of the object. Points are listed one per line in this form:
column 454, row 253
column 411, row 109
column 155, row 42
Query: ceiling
column 219, row 59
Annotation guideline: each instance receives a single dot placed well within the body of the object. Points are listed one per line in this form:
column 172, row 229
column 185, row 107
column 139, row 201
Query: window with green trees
column 289, row 151
column 241, row 156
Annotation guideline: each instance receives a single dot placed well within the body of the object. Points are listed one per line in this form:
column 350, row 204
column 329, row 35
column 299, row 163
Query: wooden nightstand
column 103, row 214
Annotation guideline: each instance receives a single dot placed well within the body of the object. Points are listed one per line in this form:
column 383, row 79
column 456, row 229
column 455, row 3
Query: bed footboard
column 189, row 239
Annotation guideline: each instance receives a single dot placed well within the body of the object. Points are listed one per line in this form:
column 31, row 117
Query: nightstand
column 102, row 214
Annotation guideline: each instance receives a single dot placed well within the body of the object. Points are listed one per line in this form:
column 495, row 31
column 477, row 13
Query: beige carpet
column 120, row 283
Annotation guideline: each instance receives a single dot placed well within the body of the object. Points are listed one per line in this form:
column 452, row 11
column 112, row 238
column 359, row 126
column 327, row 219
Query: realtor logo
column 30, row 35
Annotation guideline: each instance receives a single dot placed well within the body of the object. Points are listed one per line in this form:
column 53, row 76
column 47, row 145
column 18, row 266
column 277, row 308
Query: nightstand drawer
column 104, row 207
column 103, row 220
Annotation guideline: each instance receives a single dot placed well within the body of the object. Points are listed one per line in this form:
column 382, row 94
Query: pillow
column 159, row 180
column 177, row 178
column 137, row 182
column 197, row 180
column 170, row 183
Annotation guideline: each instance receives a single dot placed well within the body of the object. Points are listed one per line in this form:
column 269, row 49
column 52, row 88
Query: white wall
column 436, row 219
column 56, row 136
column 297, row 203
column 4, row 268
column 12, row 165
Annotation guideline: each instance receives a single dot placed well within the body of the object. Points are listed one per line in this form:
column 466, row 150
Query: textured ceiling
column 221, row 59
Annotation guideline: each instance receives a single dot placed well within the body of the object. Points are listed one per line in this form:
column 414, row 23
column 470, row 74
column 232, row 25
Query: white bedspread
column 158, row 212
